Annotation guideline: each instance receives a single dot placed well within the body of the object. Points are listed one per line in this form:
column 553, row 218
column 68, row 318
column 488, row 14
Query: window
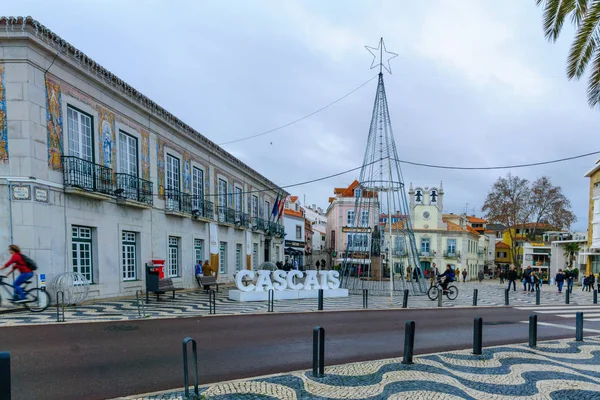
column 298, row 232
column 451, row 246
column 198, row 251
column 128, row 154
column 268, row 210
column 128, row 255
column 223, row 258
column 350, row 218
column 198, row 187
column 333, row 240
column 222, row 199
column 358, row 241
column 82, row 251
column 277, row 252
column 172, row 173
column 399, row 245
column 238, row 200
column 238, row 257
column 173, row 256
column 364, row 218
column 425, row 246
column 323, row 238
column 254, row 206
column 357, row 193
column 255, row 255
column 501, row 254
column 80, row 134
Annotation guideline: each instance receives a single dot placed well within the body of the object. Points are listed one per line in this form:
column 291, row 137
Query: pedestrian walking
column 535, row 280
column 512, row 277
column 560, row 280
column 408, row 273
column 585, row 284
column 501, row 275
column 480, row 276
column 527, row 278
column 457, row 274
column 591, row 282
column 464, row 274
column 570, row 277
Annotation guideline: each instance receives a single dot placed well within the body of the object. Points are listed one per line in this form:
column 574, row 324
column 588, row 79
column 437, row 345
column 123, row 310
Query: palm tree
column 585, row 16
column 571, row 249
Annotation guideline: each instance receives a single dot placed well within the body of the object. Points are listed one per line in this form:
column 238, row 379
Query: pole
column 389, row 257
column 475, row 292
column 595, row 296
column 409, row 342
column 440, row 294
column 477, row 336
column 532, row 330
column 537, row 297
column 5, row 375
column 506, row 302
column 405, row 299
column 579, row 327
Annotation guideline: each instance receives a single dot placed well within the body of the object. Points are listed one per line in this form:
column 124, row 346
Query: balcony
column 134, row 191
column 242, row 220
column 226, row 215
column 426, row 254
column 275, row 229
column 178, row 203
column 259, row 224
column 452, row 254
column 202, row 208
column 85, row 178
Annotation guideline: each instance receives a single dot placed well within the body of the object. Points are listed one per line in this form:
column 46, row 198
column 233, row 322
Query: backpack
column 29, row 262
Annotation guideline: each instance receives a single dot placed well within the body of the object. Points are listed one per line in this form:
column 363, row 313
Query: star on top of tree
column 381, row 52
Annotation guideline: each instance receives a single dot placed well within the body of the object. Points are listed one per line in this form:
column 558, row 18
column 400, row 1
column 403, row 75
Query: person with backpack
column 25, row 265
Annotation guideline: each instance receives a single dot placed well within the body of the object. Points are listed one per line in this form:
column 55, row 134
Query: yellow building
column 522, row 234
column 593, row 256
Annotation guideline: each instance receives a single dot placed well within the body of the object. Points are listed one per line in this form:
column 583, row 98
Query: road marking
column 571, row 328
column 573, row 315
column 557, row 307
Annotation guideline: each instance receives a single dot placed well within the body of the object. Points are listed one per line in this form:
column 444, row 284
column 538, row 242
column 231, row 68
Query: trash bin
column 152, row 277
column 160, row 266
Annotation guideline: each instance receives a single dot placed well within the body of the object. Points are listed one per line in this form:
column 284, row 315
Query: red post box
column 160, row 266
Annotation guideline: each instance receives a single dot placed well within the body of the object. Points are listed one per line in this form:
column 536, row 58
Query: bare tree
column 514, row 202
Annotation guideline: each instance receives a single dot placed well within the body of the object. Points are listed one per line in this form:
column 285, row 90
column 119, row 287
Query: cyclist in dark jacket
column 449, row 275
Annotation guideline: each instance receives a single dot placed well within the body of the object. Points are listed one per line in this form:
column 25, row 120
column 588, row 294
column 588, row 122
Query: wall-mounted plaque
column 21, row 192
column 40, row 194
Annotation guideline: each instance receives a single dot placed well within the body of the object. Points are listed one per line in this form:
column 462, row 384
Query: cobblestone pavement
column 191, row 303
column 554, row 370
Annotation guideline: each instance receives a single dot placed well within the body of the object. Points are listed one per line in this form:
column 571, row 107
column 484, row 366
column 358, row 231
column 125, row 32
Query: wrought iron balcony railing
column 258, row 224
column 226, row 215
column 242, row 219
column 202, row 208
column 426, row 253
column 133, row 188
column 451, row 254
column 86, row 175
column 178, row 201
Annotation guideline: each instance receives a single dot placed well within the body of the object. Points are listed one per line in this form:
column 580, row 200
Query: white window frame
column 80, row 134
column 172, row 172
column 298, row 231
column 255, row 255
column 128, row 154
column 239, row 199
column 254, row 206
column 129, row 255
column 173, row 256
column 199, row 251
column 223, row 257
column 82, row 248
column 350, row 216
column 197, row 187
column 364, row 218
column 425, row 249
column 451, row 243
column 238, row 257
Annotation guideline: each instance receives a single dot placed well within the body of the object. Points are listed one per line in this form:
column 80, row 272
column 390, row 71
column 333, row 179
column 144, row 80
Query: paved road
column 106, row 360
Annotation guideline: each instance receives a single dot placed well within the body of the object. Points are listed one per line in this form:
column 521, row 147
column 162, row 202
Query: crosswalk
column 590, row 313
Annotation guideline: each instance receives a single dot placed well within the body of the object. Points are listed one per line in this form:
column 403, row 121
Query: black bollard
column 365, row 298
column 595, row 296
column 409, row 342
column 318, row 351
column 477, row 336
column 405, row 299
column 320, row 306
column 5, row 375
column 567, row 296
column 475, row 292
column 579, row 326
column 270, row 301
column 537, row 297
column 532, row 330
column 440, row 293
column 506, row 296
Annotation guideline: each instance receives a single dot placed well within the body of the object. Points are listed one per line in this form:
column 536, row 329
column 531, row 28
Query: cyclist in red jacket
column 17, row 262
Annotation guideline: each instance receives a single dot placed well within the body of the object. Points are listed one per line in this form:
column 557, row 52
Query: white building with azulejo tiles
column 98, row 179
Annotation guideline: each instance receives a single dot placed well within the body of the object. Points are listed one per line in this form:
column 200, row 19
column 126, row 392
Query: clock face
column 426, row 214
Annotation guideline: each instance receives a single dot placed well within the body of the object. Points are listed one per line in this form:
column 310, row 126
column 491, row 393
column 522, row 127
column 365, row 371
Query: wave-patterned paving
column 554, row 370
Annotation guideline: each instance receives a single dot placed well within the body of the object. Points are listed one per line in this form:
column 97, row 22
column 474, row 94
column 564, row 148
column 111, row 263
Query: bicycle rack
column 60, row 300
column 141, row 306
column 185, row 368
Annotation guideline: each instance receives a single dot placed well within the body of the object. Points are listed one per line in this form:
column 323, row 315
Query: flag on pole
column 281, row 207
column 275, row 207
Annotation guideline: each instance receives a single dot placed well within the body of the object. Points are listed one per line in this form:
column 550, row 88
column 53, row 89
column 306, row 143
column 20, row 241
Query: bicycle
column 37, row 299
column 451, row 292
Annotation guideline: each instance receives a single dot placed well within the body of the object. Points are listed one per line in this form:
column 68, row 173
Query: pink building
column 342, row 223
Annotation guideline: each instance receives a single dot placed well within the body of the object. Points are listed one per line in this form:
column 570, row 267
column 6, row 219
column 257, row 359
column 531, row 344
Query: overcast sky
column 475, row 84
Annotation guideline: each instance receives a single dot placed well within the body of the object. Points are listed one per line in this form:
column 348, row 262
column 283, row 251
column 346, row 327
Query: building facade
column 559, row 257
column 98, row 179
column 295, row 231
column 593, row 234
column 318, row 223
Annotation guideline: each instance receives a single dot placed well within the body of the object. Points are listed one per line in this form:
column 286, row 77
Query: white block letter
column 323, row 279
column 279, row 280
column 290, row 280
column 311, row 282
column 240, row 276
column 334, row 280
column 264, row 281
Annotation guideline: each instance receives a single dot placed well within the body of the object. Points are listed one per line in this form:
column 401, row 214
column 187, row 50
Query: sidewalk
column 554, row 370
column 195, row 303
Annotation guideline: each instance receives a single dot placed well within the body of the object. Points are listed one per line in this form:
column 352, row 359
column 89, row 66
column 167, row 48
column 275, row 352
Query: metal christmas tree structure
column 381, row 251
